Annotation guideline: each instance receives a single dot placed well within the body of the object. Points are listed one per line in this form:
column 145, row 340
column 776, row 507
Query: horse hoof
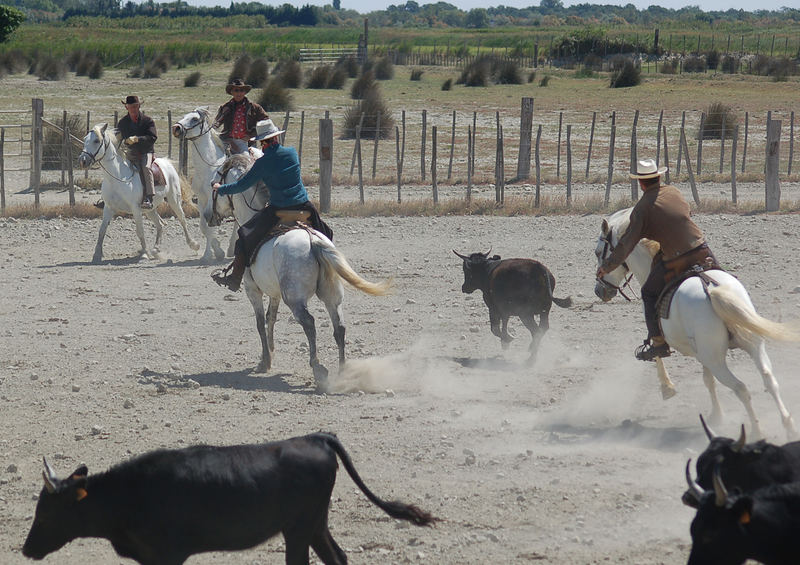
column 320, row 373
column 263, row 367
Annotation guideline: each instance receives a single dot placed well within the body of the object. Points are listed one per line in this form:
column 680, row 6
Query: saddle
column 288, row 220
column 158, row 175
column 665, row 298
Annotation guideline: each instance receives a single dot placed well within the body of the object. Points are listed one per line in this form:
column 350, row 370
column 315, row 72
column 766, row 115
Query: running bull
column 166, row 505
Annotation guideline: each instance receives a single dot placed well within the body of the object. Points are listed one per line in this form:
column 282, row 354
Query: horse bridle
column 217, row 216
column 609, row 246
column 104, row 146
column 205, row 122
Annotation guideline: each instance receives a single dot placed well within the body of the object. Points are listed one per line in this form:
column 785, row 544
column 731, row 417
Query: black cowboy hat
column 131, row 100
column 237, row 82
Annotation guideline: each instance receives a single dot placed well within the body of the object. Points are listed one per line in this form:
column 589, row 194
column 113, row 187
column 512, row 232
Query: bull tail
column 550, row 280
column 741, row 318
column 563, row 302
column 333, row 262
column 395, row 509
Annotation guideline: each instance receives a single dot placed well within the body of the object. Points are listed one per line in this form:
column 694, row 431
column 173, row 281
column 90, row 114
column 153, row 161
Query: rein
column 609, row 246
column 194, row 143
column 93, row 157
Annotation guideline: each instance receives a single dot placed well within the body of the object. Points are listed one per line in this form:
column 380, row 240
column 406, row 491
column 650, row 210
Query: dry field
column 573, row 460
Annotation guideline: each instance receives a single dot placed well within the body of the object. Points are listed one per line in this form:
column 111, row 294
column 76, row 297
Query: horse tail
column 741, row 318
column 334, row 263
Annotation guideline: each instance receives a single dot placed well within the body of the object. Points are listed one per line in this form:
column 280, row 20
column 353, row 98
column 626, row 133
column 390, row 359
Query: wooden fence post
column 64, row 148
column 499, row 178
column 300, row 142
column 325, row 164
column 772, row 177
column 474, row 133
column 422, row 148
column 2, row 170
column 538, row 167
column 689, row 168
column 658, row 137
column 680, row 145
column 88, row 122
column 169, row 137
column 558, row 150
column 591, row 140
column 722, row 144
column 569, row 165
column 452, row 147
column 375, row 147
column 68, row 160
column 666, row 155
column 360, row 167
column 733, row 163
column 610, row 163
column 469, row 162
column 744, row 145
column 700, row 142
column 357, row 143
column 525, row 131
column 634, row 157
column 791, row 142
column 37, row 140
column 433, row 166
column 285, row 126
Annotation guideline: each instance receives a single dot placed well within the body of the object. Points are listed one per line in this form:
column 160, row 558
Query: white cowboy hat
column 266, row 129
column 647, row 169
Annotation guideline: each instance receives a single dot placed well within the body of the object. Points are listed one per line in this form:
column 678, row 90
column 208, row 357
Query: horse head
column 94, row 146
column 606, row 287
column 193, row 125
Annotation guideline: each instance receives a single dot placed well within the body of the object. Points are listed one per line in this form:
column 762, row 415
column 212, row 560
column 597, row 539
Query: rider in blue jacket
column 279, row 170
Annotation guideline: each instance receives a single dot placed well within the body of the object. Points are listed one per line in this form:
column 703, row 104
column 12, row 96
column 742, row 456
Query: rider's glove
column 131, row 140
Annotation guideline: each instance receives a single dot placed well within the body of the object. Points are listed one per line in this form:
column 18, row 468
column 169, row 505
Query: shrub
column 370, row 106
column 13, row 61
column 669, row 66
column 628, row 75
column 160, row 62
column 349, row 65
column 274, row 97
column 151, row 70
column 592, row 61
column 336, row 78
column 50, row 68
column 135, row 72
column 780, row 68
column 291, row 75
column 476, row 73
column 416, row 74
column 531, row 76
column 384, row 68
column 712, row 126
column 448, row 84
column 54, row 141
column 319, row 77
column 712, row 60
column 694, row 65
column 240, row 67
column 95, row 70
column 258, row 73
column 545, row 81
column 505, row 72
column 74, row 58
column 584, row 72
column 192, row 80
column 730, row 64
column 760, row 65
column 361, row 85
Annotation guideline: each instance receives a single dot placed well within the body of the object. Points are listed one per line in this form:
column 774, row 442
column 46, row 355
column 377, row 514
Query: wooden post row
column 325, row 164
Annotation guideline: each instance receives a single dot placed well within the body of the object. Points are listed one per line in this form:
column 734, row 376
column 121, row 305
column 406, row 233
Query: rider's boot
column 147, row 203
column 231, row 276
column 653, row 347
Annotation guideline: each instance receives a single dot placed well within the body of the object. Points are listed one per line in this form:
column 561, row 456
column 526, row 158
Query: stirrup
column 146, row 205
column 223, row 278
column 648, row 352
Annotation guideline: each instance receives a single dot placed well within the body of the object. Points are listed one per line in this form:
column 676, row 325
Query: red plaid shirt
column 239, row 130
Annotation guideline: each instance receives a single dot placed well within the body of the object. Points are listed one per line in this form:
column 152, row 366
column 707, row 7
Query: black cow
column 746, row 466
column 729, row 529
column 166, row 505
column 512, row 287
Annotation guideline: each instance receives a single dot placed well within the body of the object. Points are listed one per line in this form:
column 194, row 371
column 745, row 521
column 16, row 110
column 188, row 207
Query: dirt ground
column 574, row 460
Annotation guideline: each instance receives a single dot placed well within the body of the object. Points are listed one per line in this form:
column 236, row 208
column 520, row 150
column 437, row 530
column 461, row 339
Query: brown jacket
column 661, row 214
column 253, row 114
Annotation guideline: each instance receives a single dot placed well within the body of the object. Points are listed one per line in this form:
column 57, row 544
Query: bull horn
column 487, row 253
column 709, row 432
column 460, row 255
column 696, row 490
column 737, row 447
column 719, row 488
column 49, row 477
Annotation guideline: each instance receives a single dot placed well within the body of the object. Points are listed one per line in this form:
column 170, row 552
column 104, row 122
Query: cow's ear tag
column 80, row 493
column 744, row 518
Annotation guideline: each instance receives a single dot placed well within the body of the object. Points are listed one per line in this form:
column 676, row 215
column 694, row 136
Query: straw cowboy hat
column 131, row 100
column 266, row 129
column 237, row 83
column 647, row 169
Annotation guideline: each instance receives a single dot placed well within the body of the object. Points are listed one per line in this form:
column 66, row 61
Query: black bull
column 166, row 505
column 513, row 287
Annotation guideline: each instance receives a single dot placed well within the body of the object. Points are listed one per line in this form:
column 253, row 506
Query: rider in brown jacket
column 662, row 215
column 139, row 136
column 238, row 117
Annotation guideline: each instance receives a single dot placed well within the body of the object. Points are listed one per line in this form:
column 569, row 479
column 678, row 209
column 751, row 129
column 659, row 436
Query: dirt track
column 576, row 460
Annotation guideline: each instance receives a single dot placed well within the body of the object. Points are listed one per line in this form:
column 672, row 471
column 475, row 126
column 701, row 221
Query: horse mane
column 206, row 115
column 624, row 219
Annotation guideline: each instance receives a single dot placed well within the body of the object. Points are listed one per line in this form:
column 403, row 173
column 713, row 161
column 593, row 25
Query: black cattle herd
column 166, row 505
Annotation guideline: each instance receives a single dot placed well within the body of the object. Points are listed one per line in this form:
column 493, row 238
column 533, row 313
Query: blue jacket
column 279, row 170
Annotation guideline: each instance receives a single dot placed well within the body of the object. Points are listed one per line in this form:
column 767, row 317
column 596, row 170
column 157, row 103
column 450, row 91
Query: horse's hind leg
column 256, row 298
column 108, row 215
column 331, row 295
column 302, row 315
column 272, row 315
column 174, row 203
column 726, row 377
column 716, row 410
column 761, row 359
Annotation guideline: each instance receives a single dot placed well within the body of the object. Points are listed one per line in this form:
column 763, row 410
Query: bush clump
column 370, row 106
column 275, row 97
column 241, row 66
column 349, row 65
column 694, row 65
column 730, row 64
column 506, row 72
column 291, row 74
column 626, row 76
column 54, row 141
column 448, row 84
column 531, row 77
column 336, row 78
column 362, row 84
column 192, row 80
column 669, row 66
column 258, row 73
column 712, row 60
column 384, row 68
column 545, row 81
column 319, row 77
column 715, row 115
column 50, row 68
column 416, row 74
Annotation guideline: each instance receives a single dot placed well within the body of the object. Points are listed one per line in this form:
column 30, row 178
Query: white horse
column 293, row 267
column 701, row 324
column 122, row 188
column 208, row 155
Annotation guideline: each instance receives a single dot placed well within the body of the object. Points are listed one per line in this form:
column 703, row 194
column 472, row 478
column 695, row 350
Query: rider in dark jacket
column 139, row 135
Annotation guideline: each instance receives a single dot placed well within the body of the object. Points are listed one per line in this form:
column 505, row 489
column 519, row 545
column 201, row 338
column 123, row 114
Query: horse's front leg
column 256, row 298
column 159, row 222
column 232, row 243
column 108, row 215
column 213, row 249
column 137, row 219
